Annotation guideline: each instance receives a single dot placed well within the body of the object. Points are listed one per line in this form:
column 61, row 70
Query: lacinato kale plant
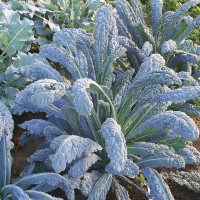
column 30, row 187
column 106, row 125
column 84, row 54
column 167, row 35
column 189, row 179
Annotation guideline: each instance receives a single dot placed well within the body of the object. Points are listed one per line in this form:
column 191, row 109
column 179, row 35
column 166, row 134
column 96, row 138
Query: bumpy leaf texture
column 145, row 52
column 168, row 46
column 81, row 166
column 186, row 79
column 189, row 179
column 156, row 7
column 180, row 95
column 101, row 188
column 82, row 100
column 120, row 191
column 40, row 128
column 189, row 109
column 39, row 95
column 177, row 16
column 179, row 123
column 52, row 180
column 42, row 71
column 137, row 7
column 190, row 154
column 115, row 144
column 88, row 181
column 116, row 150
column 194, row 24
column 156, row 155
column 158, row 188
column 60, row 54
column 6, row 133
column 154, row 63
column 69, row 148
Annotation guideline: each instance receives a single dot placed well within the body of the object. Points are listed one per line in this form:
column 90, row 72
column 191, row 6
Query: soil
column 20, row 154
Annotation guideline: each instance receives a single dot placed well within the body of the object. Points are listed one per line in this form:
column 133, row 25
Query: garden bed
column 20, row 154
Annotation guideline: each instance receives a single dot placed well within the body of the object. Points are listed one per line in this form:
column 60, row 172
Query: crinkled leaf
column 88, row 182
column 190, row 154
column 81, row 166
column 69, row 148
column 40, row 128
column 179, row 123
column 168, row 46
column 39, row 95
column 115, row 144
column 156, row 7
column 189, row 179
column 101, row 188
column 158, row 188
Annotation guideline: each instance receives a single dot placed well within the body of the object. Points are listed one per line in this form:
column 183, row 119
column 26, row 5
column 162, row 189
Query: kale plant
column 15, row 35
column 50, row 16
column 83, row 54
column 24, row 69
column 189, row 179
column 30, row 187
column 17, row 67
column 166, row 36
column 105, row 125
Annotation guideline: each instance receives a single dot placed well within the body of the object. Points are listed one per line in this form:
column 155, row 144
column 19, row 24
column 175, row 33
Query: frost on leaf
column 103, row 24
column 39, row 128
column 158, row 188
column 146, row 51
column 81, row 166
column 162, row 77
column 190, row 154
column 130, row 169
column 156, row 7
column 115, row 144
column 69, row 148
column 17, row 192
column 156, row 155
column 40, row 70
column 168, row 46
column 52, row 179
column 6, row 133
column 101, row 188
column 82, row 100
column 182, row 57
column 88, row 181
column 120, row 191
column 189, row 179
column 39, row 95
column 180, row 95
column 179, row 123
column 151, row 92
column 7, row 124
column 186, row 79
column 145, row 149
column 116, row 150
column 154, row 63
